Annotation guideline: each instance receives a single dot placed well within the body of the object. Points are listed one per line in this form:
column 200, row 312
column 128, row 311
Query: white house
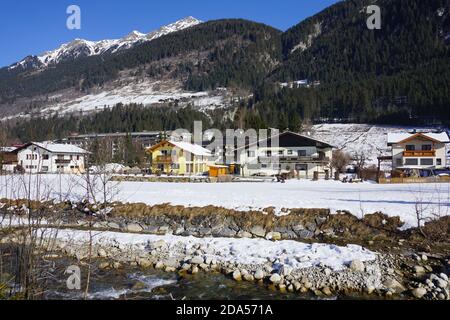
column 287, row 152
column 418, row 150
column 51, row 158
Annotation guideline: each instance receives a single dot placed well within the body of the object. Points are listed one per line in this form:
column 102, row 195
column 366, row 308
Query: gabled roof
column 186, row 146
column 402, row 137
column 293, row 134
column 56, row 148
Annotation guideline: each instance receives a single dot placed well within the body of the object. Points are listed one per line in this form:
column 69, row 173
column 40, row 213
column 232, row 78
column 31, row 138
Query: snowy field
column 365, row 198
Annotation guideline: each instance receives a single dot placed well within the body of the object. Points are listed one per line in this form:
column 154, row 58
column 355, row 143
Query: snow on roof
column 401, row 136
column 192, row 148
column 60, row 148
column 7, row 149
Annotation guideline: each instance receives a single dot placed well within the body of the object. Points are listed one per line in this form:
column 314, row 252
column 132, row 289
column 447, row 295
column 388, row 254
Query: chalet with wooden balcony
column 418, row 150
column 179, row 158
column 286, row 153
column 51, row 158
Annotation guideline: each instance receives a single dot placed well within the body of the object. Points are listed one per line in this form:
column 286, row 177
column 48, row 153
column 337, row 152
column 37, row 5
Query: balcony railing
column 62, row 161
column 292, row 159
column 420, row 153
column 164, row 159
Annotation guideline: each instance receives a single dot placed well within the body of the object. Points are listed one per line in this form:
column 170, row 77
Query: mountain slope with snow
column 84, row 48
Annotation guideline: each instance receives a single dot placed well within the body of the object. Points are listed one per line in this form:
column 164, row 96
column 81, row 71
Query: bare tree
column 340, row 160
column 360, row 159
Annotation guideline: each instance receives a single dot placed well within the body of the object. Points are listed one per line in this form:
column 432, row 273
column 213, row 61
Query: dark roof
column 292, row 139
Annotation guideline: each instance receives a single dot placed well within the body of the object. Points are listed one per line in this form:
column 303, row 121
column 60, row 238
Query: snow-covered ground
column 395, row 200
column 371, row 140
column 293, row 254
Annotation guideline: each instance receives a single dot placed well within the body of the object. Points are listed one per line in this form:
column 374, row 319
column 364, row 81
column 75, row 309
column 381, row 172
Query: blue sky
column 32, row 27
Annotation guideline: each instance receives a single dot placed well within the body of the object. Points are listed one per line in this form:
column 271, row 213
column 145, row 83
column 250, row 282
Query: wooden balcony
column 164, row 159
column 420, row 153
column 62, row 161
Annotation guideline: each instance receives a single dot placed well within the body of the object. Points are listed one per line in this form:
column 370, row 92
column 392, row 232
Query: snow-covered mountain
column 84, row 48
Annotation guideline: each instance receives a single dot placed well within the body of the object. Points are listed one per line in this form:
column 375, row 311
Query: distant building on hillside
column 418, row 150
column 51, row 158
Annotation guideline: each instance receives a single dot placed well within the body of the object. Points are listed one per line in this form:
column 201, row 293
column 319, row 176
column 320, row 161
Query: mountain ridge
column 84, row 48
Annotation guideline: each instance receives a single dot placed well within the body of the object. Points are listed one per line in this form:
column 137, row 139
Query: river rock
column 145, row 263
column 357, row 266
column 394, row 285
column 244, row 234
column 237, row 275
column 258, row 231
column 249, row 277
column 138, row 286
column 443, row 276
column 276, row 236
column 327, row 291
column 102, row 253
column 134, row 227
column 197, row 260
column 116, row 265
column 103, row 265
column 171, row 263
column 259, row 274
column 419, row 292
column 275, row 278
column 419, row 270
column 441, row 283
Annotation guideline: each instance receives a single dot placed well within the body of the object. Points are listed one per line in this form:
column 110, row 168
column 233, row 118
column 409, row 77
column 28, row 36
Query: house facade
column 287, row 153
column 418, row 150
column 51, row 158
column 179, row 158
column 8, row 159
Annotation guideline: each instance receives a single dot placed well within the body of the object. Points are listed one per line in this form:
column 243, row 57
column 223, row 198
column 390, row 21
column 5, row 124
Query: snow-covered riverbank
column 359, row 199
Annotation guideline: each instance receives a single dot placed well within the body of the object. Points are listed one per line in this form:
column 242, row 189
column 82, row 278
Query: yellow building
column 179, row 158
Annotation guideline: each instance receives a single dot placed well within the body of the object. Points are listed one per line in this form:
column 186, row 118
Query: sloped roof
column 186, row 146
column 56, row 147
column 309, row 139
column 192, row 148
column 399, row 137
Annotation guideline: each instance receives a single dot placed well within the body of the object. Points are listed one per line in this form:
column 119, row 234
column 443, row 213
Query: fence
column 435, row 179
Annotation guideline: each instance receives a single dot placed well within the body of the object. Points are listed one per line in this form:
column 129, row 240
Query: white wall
column 37, row 160
column 398, row 160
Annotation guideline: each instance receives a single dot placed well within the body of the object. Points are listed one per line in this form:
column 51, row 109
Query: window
column 45, row 157
column 426, row 162
column 398, row 162
column 78, row 157
column 410, row 147
column 411, row 162
column 426, row 147
column 280, row 152
column 290, row 152
column 175, row 166
column 439, row 162
column 268, row 153
column 264, row 165
column 251, row 154
column 44, row 169
column 301, row 167
column 301, row 153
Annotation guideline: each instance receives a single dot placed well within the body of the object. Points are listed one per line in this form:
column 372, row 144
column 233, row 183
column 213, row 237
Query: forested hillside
column 399, row 74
